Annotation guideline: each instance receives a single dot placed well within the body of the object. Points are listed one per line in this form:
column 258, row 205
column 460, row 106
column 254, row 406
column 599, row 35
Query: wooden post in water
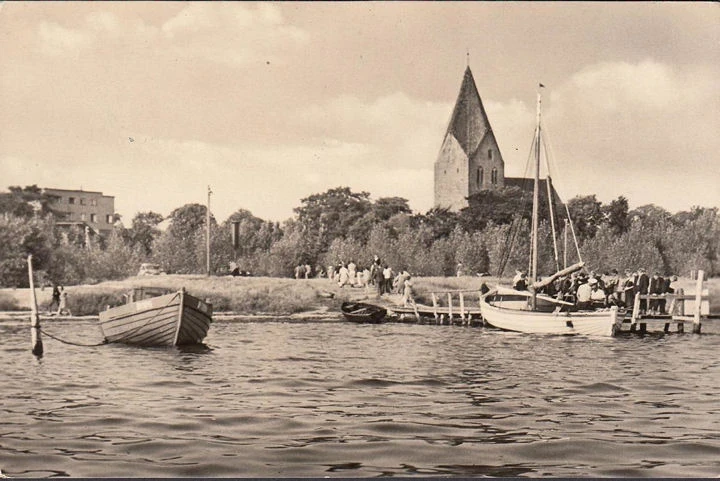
column 698, row 302
column 462, row 307
column 435, row 305
column 450, row 313
column 36, row 340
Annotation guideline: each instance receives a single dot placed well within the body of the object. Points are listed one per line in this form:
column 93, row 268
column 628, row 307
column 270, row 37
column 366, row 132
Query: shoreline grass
column 260, row 295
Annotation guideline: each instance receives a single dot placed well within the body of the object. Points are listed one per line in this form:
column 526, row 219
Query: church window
column 494, row 176
column 490, row 154
column 480, row 176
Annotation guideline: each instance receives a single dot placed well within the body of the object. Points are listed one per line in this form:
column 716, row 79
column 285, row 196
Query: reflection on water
column 339, row 399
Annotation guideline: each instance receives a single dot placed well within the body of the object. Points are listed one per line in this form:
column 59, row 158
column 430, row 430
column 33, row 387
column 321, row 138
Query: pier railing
column 679, row 304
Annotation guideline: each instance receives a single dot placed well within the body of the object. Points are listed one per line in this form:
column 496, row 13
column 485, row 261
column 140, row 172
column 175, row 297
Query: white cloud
column 57, row 40
column 625, row 129
column 233, row 33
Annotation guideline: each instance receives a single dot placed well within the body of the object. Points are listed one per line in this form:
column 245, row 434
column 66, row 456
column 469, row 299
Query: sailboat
column 529, row 311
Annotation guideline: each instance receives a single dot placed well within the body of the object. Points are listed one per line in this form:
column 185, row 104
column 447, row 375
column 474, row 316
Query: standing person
column 387, row 279
column 379, row 279
column 642, row 286
column 331, row 272
column 308, row 271
column 352, row 272
column 55, row 302
column 657, row 287
column 459, row 271
column 366, row 278
column 344, row 277
column 628, row 289
column 63, row 307
column 298, row 269
column 408, row 297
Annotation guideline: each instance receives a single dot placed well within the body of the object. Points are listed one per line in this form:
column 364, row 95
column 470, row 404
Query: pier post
column 35, row 339
column 450, row 310
column 698, row 302
column 635, row 313
column 435, row 305
column 462, row 307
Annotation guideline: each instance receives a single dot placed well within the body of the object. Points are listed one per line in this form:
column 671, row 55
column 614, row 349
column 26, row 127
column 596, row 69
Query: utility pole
column 207, row 233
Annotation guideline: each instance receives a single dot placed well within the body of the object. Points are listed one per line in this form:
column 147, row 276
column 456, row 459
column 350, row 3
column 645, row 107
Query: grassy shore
column 259, row 295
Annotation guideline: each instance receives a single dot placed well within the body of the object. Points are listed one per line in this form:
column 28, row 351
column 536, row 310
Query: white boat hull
column 513, row 317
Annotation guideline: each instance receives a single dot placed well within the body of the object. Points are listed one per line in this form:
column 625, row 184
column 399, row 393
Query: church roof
column 526, row 185
column 469, row 123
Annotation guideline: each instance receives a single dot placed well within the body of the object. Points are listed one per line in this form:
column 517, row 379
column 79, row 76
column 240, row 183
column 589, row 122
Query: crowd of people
column 378, row 275
column 590, row 290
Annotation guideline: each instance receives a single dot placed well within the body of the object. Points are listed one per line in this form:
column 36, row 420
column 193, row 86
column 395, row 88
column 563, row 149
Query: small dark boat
column 363, row 313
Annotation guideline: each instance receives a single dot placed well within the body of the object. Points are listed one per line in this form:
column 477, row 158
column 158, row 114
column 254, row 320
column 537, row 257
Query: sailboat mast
column 536, row 198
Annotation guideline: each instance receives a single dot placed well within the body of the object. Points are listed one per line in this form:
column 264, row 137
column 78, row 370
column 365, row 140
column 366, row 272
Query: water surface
column 319, row 399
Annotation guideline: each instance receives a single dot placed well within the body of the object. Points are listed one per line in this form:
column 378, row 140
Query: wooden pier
column 678, row 305
column 449, row 307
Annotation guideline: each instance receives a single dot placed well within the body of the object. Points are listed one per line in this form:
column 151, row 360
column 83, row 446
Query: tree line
column 339, row 225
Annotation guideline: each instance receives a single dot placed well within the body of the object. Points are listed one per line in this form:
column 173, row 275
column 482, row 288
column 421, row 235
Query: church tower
column 469, row 159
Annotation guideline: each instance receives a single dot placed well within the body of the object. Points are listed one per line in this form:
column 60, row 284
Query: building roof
column 527, row 185
column 78, row 191
column 469, row 123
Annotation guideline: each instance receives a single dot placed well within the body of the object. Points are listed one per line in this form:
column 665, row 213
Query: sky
column 269, row 103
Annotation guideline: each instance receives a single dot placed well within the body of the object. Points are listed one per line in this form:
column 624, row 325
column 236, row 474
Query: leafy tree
column 176, row 249
column 26, row 201
column 440, row 220
column 586, row 215
column 616, row 215
column 330, row 215
column 386, row 207
column 144, row 231
column 20, row 237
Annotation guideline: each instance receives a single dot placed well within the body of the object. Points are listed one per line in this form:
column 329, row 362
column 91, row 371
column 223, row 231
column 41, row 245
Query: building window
column 480, row 175
column 71, row 200
column 494, row 177
column 93, row 201
column 109, row 219
column 93, row 218
column 82, row 200
column 82, row 216
column 490, row 154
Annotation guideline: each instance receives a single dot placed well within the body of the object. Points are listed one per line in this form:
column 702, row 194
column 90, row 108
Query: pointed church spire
column 469, row 122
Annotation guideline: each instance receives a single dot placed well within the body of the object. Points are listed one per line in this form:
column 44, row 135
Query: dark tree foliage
column 187, row 220
column 331, row 215
column 25, row 201
column 586, row 215
column 616, row 215
column 440, row 220
column 144, row 231
column 386, row 207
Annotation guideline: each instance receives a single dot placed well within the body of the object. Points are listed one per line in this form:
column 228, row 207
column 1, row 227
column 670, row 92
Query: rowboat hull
column 513, row 317
column 169, row 320
column 363, row 313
